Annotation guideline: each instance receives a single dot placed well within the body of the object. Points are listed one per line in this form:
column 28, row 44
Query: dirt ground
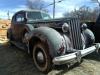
column 14, row 61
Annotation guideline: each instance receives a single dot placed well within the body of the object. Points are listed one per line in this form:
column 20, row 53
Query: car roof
column 30, row 10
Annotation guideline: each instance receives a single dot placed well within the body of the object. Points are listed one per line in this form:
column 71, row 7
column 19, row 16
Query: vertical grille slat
column 79, row 32
column 75, row 33
column 72, row 29
column 69, row 22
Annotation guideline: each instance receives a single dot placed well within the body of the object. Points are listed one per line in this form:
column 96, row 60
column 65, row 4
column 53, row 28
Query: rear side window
column 19, row 18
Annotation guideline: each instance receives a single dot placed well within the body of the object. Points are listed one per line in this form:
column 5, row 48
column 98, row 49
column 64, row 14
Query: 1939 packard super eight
column 51, row 41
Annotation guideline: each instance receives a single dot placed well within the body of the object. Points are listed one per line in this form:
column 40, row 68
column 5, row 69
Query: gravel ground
column 14, row 61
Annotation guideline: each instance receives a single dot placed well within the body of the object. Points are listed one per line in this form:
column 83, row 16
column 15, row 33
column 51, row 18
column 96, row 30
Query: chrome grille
column 75, row 33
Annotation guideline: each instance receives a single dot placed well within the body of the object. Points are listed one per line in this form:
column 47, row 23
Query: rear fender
column 9, row 33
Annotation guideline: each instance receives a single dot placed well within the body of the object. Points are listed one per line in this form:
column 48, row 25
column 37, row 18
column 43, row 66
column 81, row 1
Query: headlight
column 65, row 27
column 84, row 26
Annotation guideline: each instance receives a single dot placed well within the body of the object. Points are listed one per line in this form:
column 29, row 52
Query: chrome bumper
column 76, row 56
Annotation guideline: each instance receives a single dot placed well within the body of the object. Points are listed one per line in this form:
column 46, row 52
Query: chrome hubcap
column 40, row 57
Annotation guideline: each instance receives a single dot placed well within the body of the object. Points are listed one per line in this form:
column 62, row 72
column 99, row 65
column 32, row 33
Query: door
column 18, row 26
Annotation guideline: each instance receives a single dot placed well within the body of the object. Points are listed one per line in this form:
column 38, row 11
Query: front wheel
column 41, row 57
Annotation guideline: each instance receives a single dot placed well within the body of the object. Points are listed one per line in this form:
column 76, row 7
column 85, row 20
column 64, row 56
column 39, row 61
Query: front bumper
column 76, row 56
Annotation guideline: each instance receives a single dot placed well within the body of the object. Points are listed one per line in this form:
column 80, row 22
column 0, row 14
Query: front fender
column 51, row 36
column 89, row 37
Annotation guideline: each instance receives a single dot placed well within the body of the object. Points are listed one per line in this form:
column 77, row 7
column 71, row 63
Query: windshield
column 37, row 16
column 34, row 16
column 45, row 16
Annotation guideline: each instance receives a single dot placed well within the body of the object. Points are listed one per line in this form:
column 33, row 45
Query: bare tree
column 84, row 13
column 35, row 4
column 96, row 1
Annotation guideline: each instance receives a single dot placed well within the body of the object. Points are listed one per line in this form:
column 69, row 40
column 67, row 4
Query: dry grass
column 3, row 40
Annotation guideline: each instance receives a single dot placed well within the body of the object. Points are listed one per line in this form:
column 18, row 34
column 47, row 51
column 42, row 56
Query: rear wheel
column 9, row 36
column 41, row 57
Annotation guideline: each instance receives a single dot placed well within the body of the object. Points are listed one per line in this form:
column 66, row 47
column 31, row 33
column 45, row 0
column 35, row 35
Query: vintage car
column 51, row 41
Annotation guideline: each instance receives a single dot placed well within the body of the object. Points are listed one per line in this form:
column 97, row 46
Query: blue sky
column 11, row 3
column 12, row 6
column 66, row 5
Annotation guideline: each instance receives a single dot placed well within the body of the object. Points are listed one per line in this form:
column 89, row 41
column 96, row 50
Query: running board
column 19, row 45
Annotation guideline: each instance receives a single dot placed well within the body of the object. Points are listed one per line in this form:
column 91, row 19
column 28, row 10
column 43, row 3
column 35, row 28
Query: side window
column 19, row 18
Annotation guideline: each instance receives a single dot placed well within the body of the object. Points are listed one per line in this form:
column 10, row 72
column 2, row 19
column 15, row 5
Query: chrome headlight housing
column 65, row 27
column 84, row 26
